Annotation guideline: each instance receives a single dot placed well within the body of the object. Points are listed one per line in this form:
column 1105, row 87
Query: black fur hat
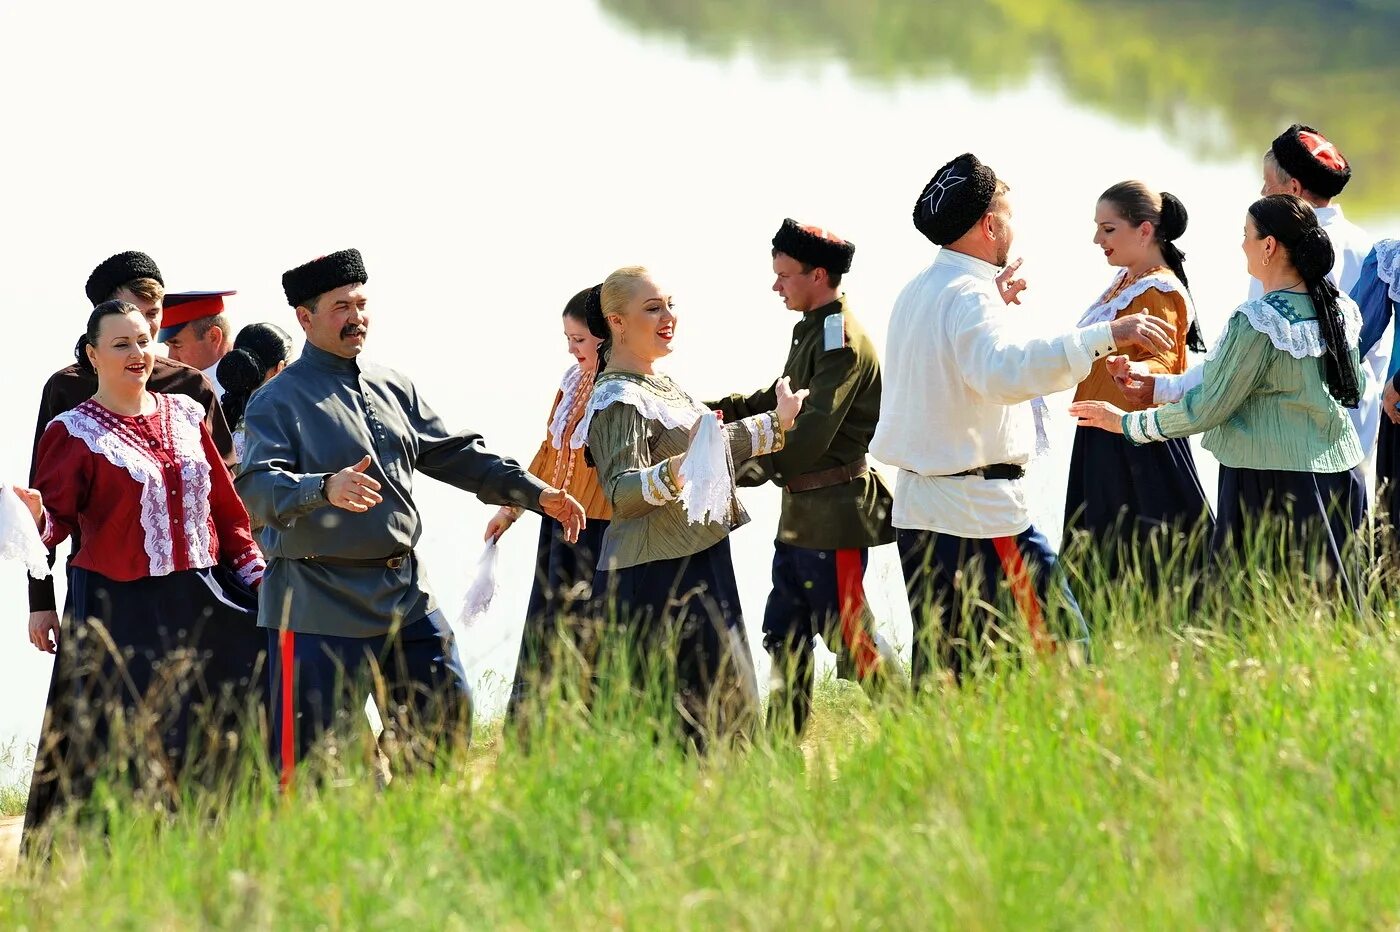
column 112, row 273
column 954, row 199
column 315, row 278
column 814, row 246
column 1307, row 155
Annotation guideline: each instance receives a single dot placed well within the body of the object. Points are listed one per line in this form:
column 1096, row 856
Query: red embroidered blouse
column 149, row 494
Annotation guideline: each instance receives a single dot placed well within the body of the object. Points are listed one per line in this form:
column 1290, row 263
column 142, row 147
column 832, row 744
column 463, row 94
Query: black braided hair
column 256, row 349
column 597, row 324
column 1292, row 222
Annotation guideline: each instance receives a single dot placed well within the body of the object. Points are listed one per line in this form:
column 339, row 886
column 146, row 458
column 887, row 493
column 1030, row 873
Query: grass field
column 1240, row 773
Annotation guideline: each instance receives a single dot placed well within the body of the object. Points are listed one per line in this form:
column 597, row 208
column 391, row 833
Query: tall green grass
column 1224, row 763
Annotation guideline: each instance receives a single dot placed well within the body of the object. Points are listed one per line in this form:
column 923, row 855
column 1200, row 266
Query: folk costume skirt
column 681, row 627
column 1388, row 487
column 1291, row 521
column 1137, row 505
column 560, row 609
column 152, row 677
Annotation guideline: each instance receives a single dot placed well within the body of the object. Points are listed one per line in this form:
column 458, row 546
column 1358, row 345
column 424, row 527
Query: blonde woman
column 670, row 582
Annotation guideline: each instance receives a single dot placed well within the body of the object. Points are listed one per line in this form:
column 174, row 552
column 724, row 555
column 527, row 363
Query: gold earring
column 1266, row 262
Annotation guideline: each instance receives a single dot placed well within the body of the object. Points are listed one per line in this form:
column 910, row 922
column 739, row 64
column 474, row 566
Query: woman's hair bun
column 1313, row 255
column 1173, row 218
column 593, row 313
column 240, row 371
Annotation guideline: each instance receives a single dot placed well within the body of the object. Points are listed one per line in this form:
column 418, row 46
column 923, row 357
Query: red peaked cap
column 185, row 306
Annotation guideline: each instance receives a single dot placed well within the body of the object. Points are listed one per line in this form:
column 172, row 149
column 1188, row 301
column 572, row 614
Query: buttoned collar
column 328, row 362
column 970, row 264
column 817, row 316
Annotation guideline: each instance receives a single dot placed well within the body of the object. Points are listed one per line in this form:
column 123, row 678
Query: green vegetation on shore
column 1222, row 78
column 1232, row 766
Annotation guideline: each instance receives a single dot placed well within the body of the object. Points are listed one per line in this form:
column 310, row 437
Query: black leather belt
column 390, row 563
column 837, row 475
column 995, row 471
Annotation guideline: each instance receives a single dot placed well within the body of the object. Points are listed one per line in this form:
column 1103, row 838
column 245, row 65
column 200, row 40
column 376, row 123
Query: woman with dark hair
column 162, row 619
column 1272, row 397
column 259, row 352
column 1128, row 498
column 667, row 573
column 563, row 583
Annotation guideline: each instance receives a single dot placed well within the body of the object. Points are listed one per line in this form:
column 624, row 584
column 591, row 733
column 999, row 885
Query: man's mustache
column 351, row 330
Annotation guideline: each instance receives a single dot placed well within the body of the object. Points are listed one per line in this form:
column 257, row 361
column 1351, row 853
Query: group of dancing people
column 256, row 556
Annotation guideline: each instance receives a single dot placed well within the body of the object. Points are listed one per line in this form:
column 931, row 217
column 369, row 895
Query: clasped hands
column 1134, row 380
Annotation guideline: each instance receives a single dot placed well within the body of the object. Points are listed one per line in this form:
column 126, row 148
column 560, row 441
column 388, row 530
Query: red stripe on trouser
column 850, row 593
column 286, row 669
column 1013, row 564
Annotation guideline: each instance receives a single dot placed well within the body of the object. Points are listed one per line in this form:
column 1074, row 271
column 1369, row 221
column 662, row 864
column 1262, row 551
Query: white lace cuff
column 765, row 433
column 1169, row 388
column 658, row 485
column 1141, row 427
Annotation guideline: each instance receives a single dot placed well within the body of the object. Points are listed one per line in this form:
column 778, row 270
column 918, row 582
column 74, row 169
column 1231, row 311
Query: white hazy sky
column 489, row 161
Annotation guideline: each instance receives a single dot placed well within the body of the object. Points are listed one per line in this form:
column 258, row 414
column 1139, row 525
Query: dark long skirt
column 559, row 608
column 155, row 682
column 1291, row 521
column 682, row 623
column 1388, row 487
column 1139, row 505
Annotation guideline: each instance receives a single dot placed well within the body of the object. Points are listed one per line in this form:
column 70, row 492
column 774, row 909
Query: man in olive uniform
column 834, row 507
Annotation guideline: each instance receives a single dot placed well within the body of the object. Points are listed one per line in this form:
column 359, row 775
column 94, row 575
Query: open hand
column 1142, row 331
column 1389, row 399
column 33, row 501
column 564, row 508
column 1134, row 380
column 43, row 631
column 352, row 490
column 1009, row 286
column 789, row 402
column 1098, row 414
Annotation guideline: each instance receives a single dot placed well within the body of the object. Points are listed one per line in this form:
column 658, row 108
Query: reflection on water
column 1225, row 76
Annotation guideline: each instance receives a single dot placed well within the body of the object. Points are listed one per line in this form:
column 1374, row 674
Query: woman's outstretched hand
column 1134, row 380
column 1098, row 414
column 500, row 522
column 789, row 402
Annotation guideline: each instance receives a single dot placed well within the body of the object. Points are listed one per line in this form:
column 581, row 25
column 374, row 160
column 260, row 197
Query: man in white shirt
column 955, row 418
column 1304, row 163
column 196, row 332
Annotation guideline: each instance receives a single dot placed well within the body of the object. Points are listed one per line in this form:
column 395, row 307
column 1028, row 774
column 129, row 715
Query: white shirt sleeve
column 1005, row 368
column 1169, row 388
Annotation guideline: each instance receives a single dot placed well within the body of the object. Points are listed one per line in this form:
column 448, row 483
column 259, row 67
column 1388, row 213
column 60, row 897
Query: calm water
column 489, row 164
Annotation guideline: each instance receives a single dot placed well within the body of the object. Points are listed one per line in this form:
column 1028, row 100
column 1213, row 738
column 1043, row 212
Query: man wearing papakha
column 956, row 419
column 332, row 446
column 834, row 507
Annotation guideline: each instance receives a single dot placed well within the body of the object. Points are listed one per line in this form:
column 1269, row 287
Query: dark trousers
column 683, row 630
column 414, row 673
column 961, row 590
column 816, row 594
column 559, row 610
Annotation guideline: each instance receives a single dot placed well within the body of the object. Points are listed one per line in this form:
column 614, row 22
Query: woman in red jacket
column 162, row 620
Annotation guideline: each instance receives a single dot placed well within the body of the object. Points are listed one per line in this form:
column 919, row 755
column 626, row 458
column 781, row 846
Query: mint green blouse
column 1263, row 401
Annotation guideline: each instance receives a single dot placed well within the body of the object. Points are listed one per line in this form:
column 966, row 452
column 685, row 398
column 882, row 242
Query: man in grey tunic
column 332, row 446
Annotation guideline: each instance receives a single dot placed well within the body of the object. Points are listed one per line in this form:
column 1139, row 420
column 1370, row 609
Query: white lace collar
column 1388, row 266
column 572, row 383
column 656, row 397
column 1106, row 308
column 1274, row 316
